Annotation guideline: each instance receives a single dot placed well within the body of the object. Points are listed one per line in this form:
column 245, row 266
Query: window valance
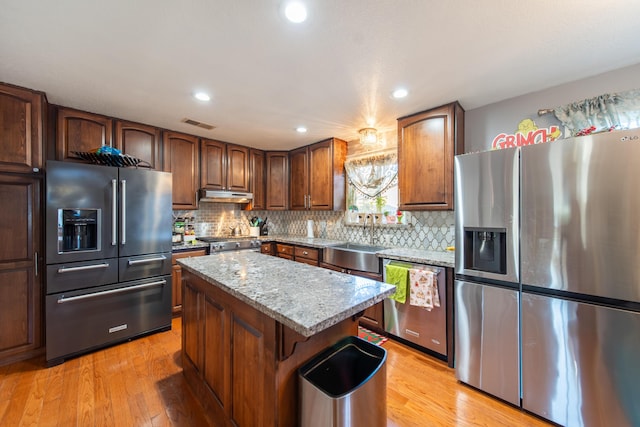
column 371, row 175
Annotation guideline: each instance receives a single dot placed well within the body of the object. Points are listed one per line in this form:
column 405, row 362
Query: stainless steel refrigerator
column 579, row 239
column 108, row 256
column 487, row 289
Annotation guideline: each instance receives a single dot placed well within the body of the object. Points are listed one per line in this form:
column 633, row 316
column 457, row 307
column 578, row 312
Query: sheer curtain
column 371, row 175
column 602, row 113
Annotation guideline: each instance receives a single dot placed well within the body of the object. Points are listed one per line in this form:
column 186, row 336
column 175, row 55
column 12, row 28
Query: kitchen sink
column 354, row 256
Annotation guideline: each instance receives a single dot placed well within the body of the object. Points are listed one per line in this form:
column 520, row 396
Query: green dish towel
column 398, row 275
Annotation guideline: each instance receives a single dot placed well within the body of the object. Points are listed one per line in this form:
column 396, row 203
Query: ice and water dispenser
column 486, row 249
column 78, row 230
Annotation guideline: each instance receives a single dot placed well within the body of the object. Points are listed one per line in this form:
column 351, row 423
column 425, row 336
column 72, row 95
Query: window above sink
column 372, row 189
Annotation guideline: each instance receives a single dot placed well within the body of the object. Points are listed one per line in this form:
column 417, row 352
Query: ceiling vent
column 197, row 123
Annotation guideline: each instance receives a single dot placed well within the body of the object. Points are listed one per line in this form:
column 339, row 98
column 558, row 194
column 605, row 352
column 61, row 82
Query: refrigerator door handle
column 144, row 261
column 114, row 212
column 82, row 268
column 64, row 299
column 123, row 225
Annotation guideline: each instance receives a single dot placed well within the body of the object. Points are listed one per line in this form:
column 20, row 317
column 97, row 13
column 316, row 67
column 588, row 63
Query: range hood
column 212, row 196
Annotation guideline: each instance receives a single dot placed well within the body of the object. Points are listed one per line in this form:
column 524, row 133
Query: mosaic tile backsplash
column 427, row 230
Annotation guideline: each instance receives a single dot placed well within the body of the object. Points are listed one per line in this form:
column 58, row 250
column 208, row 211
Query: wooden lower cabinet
column 267, row 248
column 306, row 255
column 21, row 284
column 284, row 251
column 241, row 364
column 176, row 278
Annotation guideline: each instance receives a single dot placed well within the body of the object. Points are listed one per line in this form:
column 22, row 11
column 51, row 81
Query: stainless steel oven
column 223, row 244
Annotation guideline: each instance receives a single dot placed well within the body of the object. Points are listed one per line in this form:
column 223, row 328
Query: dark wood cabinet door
column 21, row 129
column 299, row 179
column 326, row 175
column 20, row 269
column 191, row 328
column 213, row 166
column 81, row 131
column 258, row 186
column 181, row 158
column 320, row 176
column 140, row 141
column 237, row 168
column 277, row 180
column 427, row 144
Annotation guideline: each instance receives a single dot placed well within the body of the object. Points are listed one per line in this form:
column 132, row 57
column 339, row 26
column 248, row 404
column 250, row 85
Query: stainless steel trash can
column 345, row 385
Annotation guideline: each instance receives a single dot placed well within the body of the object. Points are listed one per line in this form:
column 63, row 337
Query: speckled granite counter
column 443, row 259
column 304, row 298
column 189, row 246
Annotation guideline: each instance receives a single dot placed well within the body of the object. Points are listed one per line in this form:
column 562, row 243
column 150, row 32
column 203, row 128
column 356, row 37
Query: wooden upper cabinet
column 81, row 131
column 181, row 158
column 237, row 168
column 257, row 183
column 317, row 176
column 277, row 180
column 427, row 144
column 224, row 166
column 213, row 167
column 22, row 114
column 140, row 141
column 298, row 178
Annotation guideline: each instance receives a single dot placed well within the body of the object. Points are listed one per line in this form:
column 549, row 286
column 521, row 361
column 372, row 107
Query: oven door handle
column 147, row 260
column 82, row 268
column 62, row 299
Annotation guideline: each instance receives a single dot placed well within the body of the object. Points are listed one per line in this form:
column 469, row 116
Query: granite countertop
column 420, row 256
column 302, row 297
column 182, row 247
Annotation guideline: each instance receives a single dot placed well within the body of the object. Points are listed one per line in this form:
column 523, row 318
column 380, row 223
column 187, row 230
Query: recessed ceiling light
column 201, row 96
column 400, row 93
column 296, row 12
column 301, row 129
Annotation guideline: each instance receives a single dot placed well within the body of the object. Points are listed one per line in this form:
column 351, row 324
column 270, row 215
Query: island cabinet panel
column 22, row 113
column 140, row 141
column 242, row 364
column 216, row 362
column 81, row 131
column 182, row 158
column 427, row 144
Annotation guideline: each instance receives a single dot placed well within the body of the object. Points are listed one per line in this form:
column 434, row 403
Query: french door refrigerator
column 580, row 246
column 486, row 289
column 572, row 207
column 108, row 256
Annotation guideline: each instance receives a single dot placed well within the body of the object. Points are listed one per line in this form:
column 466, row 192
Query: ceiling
column 142, row 60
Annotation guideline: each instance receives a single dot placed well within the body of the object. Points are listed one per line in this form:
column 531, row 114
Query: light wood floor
column 139, row 383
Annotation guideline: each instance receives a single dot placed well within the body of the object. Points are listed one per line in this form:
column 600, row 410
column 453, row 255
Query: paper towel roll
column 310, row 228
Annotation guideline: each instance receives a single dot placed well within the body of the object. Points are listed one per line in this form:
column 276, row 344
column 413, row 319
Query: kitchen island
column 251, row 320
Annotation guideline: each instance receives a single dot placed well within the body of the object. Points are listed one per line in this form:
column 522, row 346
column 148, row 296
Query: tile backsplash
column 428, row 230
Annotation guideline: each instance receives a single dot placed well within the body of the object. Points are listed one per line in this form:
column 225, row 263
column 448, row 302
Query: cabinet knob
column 305, row 253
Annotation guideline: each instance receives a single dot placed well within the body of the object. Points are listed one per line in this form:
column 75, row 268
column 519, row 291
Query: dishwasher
column 417, row 325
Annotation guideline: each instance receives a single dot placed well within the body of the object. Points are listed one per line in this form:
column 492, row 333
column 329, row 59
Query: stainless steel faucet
column 373, row 224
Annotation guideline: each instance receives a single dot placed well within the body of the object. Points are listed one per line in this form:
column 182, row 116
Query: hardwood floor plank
column 140, row 383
